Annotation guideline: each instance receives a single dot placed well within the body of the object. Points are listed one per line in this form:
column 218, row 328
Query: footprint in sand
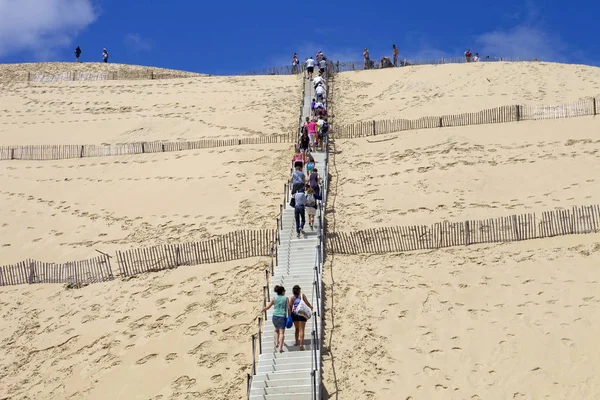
column 567, row 342
column 194, row 329
column 183, row 382
column 144, row 360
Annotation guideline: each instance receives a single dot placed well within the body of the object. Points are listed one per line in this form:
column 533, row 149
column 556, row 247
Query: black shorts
column 298, row 318
column 322, row 70
column 298, row 164
column 310, row 69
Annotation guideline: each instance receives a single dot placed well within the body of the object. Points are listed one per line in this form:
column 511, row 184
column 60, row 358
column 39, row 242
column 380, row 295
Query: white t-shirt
column 322, row 64
column 475, row 58
column 317, row 80
column 310, row 63
column 320, row 90
column 318, row 104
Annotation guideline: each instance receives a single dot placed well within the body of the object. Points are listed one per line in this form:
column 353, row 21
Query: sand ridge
column 475, row 172
column 482, row 322
column 63, row 210
column 205, row 107
column 178, row 334
column 516, row 320
column 435, row 90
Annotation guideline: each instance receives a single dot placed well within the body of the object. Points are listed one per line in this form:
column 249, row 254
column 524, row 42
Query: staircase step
column 292, row 389
column 282, row 382
column 283, row 396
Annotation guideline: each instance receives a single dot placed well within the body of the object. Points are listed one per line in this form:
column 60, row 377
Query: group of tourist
column 386, row 62
column 296, row 309
column 305, row 197
column 78, row 54
column 313, row 134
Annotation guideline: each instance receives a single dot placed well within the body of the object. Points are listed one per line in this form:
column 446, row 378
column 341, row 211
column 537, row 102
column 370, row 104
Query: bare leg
column 297, row 332
column 281, row 339
column 302, row 325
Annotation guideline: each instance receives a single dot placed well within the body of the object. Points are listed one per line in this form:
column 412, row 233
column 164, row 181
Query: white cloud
column 137, row 43
column 42, row 26
column 522, row 41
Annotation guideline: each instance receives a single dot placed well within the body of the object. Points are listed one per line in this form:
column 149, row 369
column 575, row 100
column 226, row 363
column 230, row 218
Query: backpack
column 324, row 127
column 311, row 201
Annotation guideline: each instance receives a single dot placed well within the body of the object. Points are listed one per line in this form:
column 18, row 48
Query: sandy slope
column 429, row 90
column 180, row 334
column 517, row 321
column 476, row 172
column 145, row 110
column 63, row 210
column 18, row 72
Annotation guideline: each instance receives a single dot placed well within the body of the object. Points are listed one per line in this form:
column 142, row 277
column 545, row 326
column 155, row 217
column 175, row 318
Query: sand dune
column 432, row 90
column 475, row 172
column 180, row 334
column 63, row 210
column 146, row 110
column 502, row 321
column 516, row 321
column 18, row 72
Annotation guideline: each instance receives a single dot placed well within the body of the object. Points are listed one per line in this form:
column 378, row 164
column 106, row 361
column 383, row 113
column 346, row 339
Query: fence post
column 259, row 336
column 441, row 122
column 12, row 154
column 28, row 76
column 81, row 153
column 467, row 233
column 518, row 112
column 594, row 105
column 163, row 147
column 151, row 74
column 143, row 148
column 253, row 354
column 373, row 127
column 31, row 271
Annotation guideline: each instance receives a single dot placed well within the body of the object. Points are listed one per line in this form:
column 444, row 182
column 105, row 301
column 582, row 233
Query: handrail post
column 259, row 336
column 313, row 373
column 268, row 289
column 315, row 348
column 265, row 300
column 253, row 355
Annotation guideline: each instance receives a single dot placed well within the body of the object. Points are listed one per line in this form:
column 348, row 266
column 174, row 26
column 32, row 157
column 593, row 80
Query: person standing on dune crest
column 77, row 53
column 105, row 55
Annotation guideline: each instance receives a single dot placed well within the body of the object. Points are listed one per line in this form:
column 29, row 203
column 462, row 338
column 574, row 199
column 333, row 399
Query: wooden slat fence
column 498, row 115
column 232, row 246
column 358, row 65
column 89, row 271
column 60, row 152
column 106, row 75
column 560, row 222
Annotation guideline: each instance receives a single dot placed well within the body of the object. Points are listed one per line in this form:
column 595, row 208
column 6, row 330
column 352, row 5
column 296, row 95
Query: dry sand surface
column 213, row 107
column 508, row 321
column 475, row 172
column 19, row 72
column 179, row 334
column 433, row 90
column 63, row 210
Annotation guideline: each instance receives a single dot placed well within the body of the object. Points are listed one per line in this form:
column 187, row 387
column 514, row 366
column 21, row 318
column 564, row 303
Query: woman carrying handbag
column 300, row 310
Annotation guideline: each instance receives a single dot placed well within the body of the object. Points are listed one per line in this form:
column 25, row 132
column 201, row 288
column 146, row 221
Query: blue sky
column 228, row 37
